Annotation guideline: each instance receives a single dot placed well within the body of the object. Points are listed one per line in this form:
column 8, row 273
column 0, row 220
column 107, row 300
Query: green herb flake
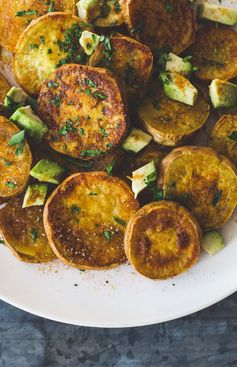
column 120, row 221
column 34, row 234
column 74, row 212
column 11, row 184
column 52, row 84
column 90, row 153
column 19, row 140
column 108, row 235
column 90, row 83
column 216, row 197
column 169, row 7
column 233, row 136
column 56, row 101
column 110, row 167
column 24, row 13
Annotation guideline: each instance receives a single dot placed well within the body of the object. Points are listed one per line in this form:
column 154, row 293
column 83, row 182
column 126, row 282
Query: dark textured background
column 207, row 338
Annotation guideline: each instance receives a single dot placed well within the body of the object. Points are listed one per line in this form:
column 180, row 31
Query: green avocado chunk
column 176, row 64
column 47, row 171
column 26, row 119
column 136, row 141
column 213, row 242
column 223, row 94
column 179, row 88
column 35, row 195
column 15, row 98
column 217, row 13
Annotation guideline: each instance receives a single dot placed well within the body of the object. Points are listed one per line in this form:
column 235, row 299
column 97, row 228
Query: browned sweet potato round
column 223, row 137
column 215, row 53
column 23, row 231
column 85, row 220
column 15, row 16
column 84, row 110
column 203, row 180
column 15, row 161
column 162, row 23
column 162, row 240
column 131, row 60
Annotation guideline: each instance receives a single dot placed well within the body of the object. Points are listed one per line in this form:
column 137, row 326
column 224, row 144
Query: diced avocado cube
column 213, row 242
column 217, row 13
column 26, row 119
column 143, row 177
column 35, row 195
column 15, row 98
column 88, row 10
column 178, row 88
column 223, row 94
column 89, row 41
column 47, row 171
column 136, row 141
column 176, row 64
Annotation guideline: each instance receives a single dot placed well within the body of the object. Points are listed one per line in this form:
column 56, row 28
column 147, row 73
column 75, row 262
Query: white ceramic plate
column 119, row 297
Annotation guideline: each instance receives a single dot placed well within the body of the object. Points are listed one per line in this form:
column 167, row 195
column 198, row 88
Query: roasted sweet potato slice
column 204, row 181
column 15, row 160
column 15, row 16
column 162, row 23
column 84, row 110
column 223, row 137
column 85, row 220
column 4, row 87
column 215, row 53
column 23, row 231
column 162, row 240
column 47, row 42
column 131, row 60
column 171, row 122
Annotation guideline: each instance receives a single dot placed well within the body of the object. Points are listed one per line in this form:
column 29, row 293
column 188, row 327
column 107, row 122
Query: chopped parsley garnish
column 104, row 132
column 90, row 83
column 34, row 234
column 93, row 194
column 233, row 136
column 216, row 197
column 169, row 7
column 50, row 51
column 18, row 139
column 74, row 212
column 110, row 167
column 33, row 46
column 80, row 164
column 107, row 51
column 117, row 6
column 82, row 131
column 51, row 6
column 52, row 84
column 90, row 153
column 108, row 235
column 42, row 40
column 120, row 221
column 68, row 128
column 23, row 13
column 6, row 163
column 99, row 95
column 56, row 101
column 11, row 184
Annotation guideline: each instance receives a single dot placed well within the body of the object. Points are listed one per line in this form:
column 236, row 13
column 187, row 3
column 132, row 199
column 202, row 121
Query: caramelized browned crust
column 14, row 163
column 223, row 137
column 206, row 182
column 171, row 122
column 12, row 25
column 131, row 60
column 4, row 87
column 85, row 220
column 161, row 23
column 215, row 53
column 23, row 231
column 162, row 240
column 84, row 111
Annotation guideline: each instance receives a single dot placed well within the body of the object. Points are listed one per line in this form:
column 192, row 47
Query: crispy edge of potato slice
column 131, row 60
column 159, row 24
column 98, row 116
column 4, row 88
column 12, row 26
column 209, row 185
column 220, row 138
column 68, row 185
column 174, row 112
column 114, row 18
column 20, row 227
column 32, row 62
column 142, row 236
column 215, row 53
column 17, row 167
